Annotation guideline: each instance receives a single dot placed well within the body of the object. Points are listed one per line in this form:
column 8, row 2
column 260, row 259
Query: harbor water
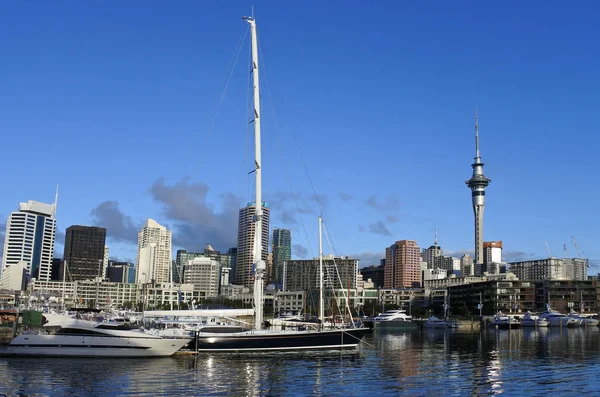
column 425, row 362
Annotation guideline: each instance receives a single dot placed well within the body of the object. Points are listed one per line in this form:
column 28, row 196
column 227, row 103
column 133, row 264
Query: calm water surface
column 420, row 363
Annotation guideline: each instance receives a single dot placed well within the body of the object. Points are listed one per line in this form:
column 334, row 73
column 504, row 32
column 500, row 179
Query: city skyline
column 411, row 111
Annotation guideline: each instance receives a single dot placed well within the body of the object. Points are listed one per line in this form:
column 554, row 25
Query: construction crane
column 565, row 255
column 549, row 250
column 579, row 251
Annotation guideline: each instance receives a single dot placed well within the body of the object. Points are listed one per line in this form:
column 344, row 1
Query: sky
column 140, row 110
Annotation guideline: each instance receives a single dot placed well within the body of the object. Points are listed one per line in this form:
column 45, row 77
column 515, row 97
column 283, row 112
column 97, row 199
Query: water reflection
column 422, row 362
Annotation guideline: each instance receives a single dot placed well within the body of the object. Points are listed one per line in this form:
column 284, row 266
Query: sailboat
column 260, row 339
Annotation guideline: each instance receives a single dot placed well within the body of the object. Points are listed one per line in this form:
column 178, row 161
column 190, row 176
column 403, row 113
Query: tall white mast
column 63, row 283
column 259, row 264
column 321, row 304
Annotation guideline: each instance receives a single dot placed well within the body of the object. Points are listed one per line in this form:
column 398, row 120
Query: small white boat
column 583, row 320
column 503, row 321
column 434, row 322
column 557, row 319
column 81, row 338
column 530, row 320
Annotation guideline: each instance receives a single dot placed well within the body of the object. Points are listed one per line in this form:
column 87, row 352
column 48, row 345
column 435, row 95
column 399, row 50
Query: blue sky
column 115, row 102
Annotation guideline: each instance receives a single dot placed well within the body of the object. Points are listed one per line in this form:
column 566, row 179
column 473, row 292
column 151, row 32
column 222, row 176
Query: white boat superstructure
column 557, row 319
column 531, row 320
column 392, row 315
column 82, row 338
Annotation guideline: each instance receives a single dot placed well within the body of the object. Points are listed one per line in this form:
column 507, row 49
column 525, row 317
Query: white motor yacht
column 434, row 322
column 583, row 320
column 503, row 321
column 531, row 320
column 81, row 338
column 557, row 319
column 393, row 319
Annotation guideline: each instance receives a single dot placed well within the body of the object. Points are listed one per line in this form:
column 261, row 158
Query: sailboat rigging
column 260, row 339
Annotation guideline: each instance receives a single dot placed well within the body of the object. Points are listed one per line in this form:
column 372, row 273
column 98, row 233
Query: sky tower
column 478, row 183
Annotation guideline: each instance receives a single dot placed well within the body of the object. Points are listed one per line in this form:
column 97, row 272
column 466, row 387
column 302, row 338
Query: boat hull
column 257, row 341
column 92, row 346
column 503, row 325
column 379, row 325
column 533, row 323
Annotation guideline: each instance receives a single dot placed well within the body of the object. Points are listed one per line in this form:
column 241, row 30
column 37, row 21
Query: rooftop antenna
column 435, row 239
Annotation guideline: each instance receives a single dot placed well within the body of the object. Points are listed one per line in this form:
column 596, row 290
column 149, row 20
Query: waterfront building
column 566, row 295
column 435, row 283
column 154, row 253
column 478, row 184
column 466, row 265
column 403, row 298
column 233, row 291
column 402, row 265
column 205, row 274
column 303, row 274
column 244, row 267
column 550, row 269
column 289, row 302
column 120, row 272
column 29, row 238
column 513, row 296
column 84, row 252
column 90, row 293
column 282, row 251
column 510, row 296
column 373, row 273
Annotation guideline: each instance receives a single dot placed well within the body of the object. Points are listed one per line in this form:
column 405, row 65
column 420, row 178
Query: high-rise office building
column 120, row 272
column 205, row 274
column 429, row 255
column 492, row 252
column 84, row 252
column 282, row 251
column 478, row 183
column 246, row 226
column 154, row 254
column 303, row 274
column 466, row 265
column 402, row 265
column 29, row 238
column 373, row 273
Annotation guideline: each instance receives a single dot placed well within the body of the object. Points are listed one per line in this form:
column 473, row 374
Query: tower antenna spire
column 477, row 156
column 435, row 239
